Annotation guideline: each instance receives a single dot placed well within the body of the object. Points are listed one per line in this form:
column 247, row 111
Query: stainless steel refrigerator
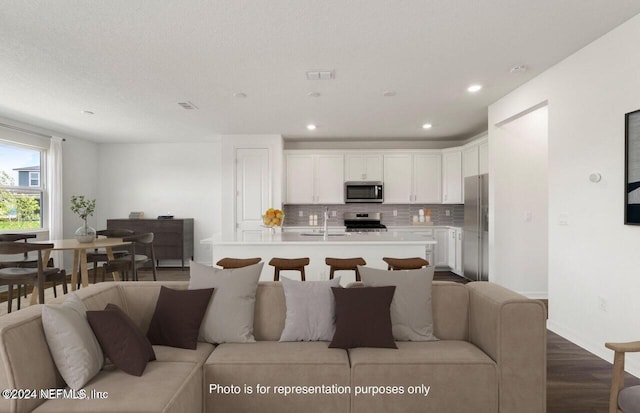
column 475, row 243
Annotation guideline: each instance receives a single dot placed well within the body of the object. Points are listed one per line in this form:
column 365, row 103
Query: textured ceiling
column 132, row 61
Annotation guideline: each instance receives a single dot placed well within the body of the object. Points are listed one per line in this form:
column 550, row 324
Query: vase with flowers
column 84, row 208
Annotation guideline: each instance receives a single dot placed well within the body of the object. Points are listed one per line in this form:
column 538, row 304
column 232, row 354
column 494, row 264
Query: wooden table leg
column 84, row 271
column 74, row 270
column 35, row 294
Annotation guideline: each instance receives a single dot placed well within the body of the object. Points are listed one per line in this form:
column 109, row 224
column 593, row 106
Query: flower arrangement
column 273, row 218
column 83, row 207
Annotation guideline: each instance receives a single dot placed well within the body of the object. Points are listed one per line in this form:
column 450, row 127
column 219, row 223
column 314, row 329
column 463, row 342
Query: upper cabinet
column 412, row 177
column 314, row 178
column 470, row 161
column 363, row 167
column 452, row 176
column 483, row 157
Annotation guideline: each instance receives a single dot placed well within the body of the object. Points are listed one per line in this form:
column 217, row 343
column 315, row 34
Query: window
column 21, row 187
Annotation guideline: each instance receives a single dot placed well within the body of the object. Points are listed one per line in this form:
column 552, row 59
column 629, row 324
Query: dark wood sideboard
column 173, row 238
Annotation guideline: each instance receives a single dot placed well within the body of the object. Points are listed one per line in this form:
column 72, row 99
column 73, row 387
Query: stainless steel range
column 363, row 222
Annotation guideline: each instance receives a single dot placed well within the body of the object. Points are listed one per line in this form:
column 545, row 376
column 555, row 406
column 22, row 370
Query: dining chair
column 100, row 254
column 132, row 262
column 21, row 275
column 26, row 261
column 622, row 399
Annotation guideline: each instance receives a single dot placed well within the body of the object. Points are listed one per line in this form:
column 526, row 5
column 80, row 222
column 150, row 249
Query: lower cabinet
column 441, row 256
column 448, row 251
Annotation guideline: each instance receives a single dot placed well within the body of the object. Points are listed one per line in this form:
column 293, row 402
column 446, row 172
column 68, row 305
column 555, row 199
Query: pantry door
column 253, row 191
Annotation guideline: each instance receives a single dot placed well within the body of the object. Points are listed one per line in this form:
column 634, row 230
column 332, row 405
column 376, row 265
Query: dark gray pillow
column 310, row 310
column 411, row 308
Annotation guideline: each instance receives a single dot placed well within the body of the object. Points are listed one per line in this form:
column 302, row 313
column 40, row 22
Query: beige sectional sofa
column 491, row 357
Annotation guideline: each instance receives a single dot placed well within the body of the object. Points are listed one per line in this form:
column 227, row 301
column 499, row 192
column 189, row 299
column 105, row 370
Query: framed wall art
column 632, row 168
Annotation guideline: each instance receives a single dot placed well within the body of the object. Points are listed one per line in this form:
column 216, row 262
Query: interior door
column 253, row 192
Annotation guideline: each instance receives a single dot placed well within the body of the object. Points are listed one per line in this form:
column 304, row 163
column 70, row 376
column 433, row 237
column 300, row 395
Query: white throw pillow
column 229, row 316
column 411, row 308
column 75, row 349
column 311, row 310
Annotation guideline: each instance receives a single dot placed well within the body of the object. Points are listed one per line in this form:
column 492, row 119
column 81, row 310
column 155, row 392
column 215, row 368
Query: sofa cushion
column 168, row 387
column 277, row 364
column 121, row 340
column 411, row 308
column 363, row 318
column 448, row 367
column 310, row 310
column 199, row 355
column 75, row 349
column 178, row 316
column 229, row 317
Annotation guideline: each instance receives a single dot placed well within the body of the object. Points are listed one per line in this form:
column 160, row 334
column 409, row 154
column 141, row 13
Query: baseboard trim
column 598, row 349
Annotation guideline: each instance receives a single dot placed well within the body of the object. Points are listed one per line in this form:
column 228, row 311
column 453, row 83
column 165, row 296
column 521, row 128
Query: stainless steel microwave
column 365, row 191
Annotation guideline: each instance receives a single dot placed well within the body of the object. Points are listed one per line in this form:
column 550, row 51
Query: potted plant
column 84, row 208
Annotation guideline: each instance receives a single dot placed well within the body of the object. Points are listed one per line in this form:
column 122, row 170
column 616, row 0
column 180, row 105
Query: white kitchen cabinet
column 451, row 248
column 441, row 253
column 315, row 178
column 412, row 178
column 452, row 177
column 363, row 167
column 458, row 263
column 470, row 161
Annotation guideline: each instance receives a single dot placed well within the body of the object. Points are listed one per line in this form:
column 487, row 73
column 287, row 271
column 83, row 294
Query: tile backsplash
column 404, row 213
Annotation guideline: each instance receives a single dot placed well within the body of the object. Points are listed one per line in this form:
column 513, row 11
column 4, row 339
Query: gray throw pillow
column 229, row 316
column 310, row 310
column 411, row 308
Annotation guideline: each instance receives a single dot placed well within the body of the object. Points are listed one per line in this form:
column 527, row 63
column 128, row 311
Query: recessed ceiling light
column 474, row 88
column 87, row 112
column 240, row 95
column 389, row 93
column 314, row 94
column 427, row 126
column 311, row 126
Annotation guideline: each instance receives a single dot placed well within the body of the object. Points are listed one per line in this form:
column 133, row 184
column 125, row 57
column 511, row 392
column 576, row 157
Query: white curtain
column 54, row 190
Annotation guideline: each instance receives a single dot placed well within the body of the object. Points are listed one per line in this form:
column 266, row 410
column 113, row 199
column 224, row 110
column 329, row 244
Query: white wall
column 518, row 177
column 594, row 259
column 181, row 179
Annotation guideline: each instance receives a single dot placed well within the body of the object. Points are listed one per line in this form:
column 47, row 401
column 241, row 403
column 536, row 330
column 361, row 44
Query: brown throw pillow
column 363, row 318
column 177, row 318
column 121, row 339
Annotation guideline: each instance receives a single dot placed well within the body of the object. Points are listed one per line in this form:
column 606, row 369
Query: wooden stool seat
column 344, row 264
column 405, row 263
column 229, row 262
column 288, row 264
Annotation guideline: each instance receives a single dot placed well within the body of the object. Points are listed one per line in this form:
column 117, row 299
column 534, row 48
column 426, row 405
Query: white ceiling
column 132, row 61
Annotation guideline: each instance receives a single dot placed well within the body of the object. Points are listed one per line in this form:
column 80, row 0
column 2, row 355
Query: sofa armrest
column 511, row 329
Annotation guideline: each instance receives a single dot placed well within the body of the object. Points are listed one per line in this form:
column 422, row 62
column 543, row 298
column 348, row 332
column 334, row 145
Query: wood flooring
column 577, row 381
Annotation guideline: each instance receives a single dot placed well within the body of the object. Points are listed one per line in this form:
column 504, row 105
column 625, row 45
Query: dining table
column 79, row 258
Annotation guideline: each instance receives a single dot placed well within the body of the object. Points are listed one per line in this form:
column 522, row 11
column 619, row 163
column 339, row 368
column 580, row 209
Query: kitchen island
column 371, row 246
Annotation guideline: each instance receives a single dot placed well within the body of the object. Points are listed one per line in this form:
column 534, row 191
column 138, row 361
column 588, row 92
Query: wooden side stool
column 344, row 264
column 288, row 264
column 229, row 262
column 405, row 263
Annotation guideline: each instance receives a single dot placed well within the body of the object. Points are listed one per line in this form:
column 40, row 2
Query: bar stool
column 344, row 264
column 229, row 262
column 288, row 264
column 405, row 263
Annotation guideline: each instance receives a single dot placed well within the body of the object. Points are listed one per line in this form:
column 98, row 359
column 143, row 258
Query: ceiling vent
column 188, row 105
column 320, row 75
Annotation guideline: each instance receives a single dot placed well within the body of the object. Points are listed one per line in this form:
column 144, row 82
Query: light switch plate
column 563, row 219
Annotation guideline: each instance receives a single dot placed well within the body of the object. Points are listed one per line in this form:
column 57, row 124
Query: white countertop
column 296, row 238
